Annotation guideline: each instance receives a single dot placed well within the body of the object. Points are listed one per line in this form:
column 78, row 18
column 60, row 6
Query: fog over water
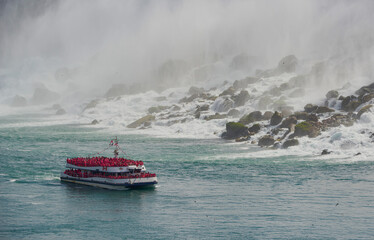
column 105, row 42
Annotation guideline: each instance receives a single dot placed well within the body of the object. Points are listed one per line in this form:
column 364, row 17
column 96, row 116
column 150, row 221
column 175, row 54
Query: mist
column 80, row 48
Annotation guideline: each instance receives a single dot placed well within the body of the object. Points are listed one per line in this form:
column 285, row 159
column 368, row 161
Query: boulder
column 230, row 91
column 195, row 90
column 233, row 113
column 243, row 83
column 310, row 108
column 367, row 97
column 306, row 129
column 286, row 112
column 43, row 95
column 157, row 109
column 252, row 117
column 215, row 116
column 363, row 110
column 287, row 64
column 325, row 152
column 312, row 118
column 365, row 89
column 266, row 141
column 91, row 104
column 301, row 115
column 255, row 128
column 290, row 142
column 222, row 104
column 19, row 101
column 276, row 119
column 322, row 109
column 267, row 115
column 235, row 130
column 286, row 123
column 142, row 121
column 94, row 122
column 332, row 94
column 241, row 98
column 350, row 103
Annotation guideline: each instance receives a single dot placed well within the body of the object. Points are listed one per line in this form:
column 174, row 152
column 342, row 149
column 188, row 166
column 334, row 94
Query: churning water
column 202, row 191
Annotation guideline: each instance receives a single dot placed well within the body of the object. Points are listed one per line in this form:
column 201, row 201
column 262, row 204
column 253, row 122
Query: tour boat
column 111, row 173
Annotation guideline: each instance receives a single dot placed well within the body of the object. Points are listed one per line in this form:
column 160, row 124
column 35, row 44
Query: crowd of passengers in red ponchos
column 78, row 173
column 103, row 162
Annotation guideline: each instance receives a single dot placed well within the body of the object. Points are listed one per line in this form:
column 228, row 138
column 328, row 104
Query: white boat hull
column 115, row 184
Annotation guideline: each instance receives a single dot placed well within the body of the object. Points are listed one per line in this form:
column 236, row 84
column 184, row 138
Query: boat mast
column 117, row 148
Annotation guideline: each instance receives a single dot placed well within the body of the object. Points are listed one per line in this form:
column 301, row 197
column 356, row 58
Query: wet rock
column 94, row 122
column 306, row 129
column 215, row 116
column 290, row 143
column 337, row 120
column 241, row 98
column 364, row 110
column 18, row 101
column 366, row 98
column 61, row 111
column 233, row 113
column 235, row 130
column 175, row 108
column 322, row 109
column 255, row 128
column 230, row 91
column 43, row 96
column 252, row 117
column 332, row 94
column 157, row 109
column 286, row 112
column 287, row 64
column 91, row 104
column 325, row 152
column 276, row 118
column 365, row 89
column 310, row 108
column 242, row 139
column 266, row 141
column 286, row 123
column 195, row 90
column 142, row 121
column 222, row 104
column 243, row 83
column 267, row 115
column 312, row 118
column 301, row 115
column 350, row 103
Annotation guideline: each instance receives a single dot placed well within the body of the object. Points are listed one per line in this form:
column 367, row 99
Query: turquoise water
column 200, row 195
